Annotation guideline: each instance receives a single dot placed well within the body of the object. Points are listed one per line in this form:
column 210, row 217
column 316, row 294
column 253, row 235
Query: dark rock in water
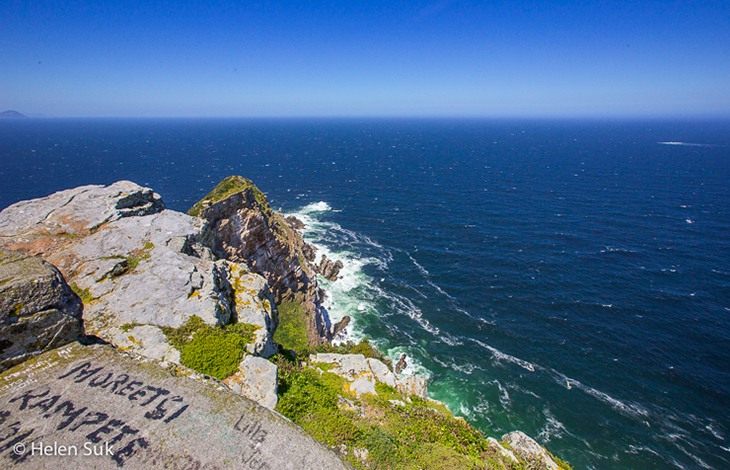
column 94, row 407
column 329, row 269
column 340, row 325
column 12, row 114
column 38, row 310
column 401, row 364
column 295, row 223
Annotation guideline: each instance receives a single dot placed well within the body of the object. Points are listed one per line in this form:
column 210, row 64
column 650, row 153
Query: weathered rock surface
column 297, row 224
column 38, row 310
column 247, row 230
column 327, row 268
column 526, row 448
column 256, row 379
column 363, row 373
column 79, row 211
column 138, row 265
column 414, row 385
column 504, row 453
column 60, row 407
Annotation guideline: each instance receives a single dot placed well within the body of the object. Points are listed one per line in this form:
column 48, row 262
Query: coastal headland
column 153, row 338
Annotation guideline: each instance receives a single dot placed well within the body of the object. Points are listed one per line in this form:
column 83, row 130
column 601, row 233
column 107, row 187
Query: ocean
column 570, row 279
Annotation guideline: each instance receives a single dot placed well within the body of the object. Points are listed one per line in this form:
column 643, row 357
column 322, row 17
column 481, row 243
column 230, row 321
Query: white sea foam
column 552, row 428
column 504, row 398
column 500, row 356
column 440, row 290
column 358, row 294
column 420, row 268
column 688, row 144
column 320, row 206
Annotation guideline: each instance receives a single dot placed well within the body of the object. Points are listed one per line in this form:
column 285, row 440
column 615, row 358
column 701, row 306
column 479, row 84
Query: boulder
column 256, row 379
column 95, row 407
column 38, row 310
column 340, row 326
column 528, row 449
column 401, row 364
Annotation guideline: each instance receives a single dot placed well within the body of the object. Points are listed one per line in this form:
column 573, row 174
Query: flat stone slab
column 94, row 407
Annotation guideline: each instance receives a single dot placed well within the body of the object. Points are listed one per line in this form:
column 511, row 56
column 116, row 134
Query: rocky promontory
column 200, row 321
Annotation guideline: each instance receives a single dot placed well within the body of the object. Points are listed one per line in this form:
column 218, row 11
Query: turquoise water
column 567, row 279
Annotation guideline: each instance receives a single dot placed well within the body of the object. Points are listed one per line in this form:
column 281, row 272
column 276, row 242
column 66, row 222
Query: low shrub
column 210, row 350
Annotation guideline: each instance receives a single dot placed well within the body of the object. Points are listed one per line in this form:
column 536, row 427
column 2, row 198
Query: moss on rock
column 210, row 350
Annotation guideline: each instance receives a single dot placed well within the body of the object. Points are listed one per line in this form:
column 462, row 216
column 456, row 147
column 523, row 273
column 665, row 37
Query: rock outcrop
column 138, row 266
column 327, row 268
column 94, row 407
column 38, row 310
column 363, row 373
column 256, row 379
column 246, row 230
column 526, row 447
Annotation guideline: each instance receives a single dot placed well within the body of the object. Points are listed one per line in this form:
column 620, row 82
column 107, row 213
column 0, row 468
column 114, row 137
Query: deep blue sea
column 569, row 279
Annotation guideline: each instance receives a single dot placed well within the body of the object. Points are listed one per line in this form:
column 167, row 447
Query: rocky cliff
column 140, row 269
column 193, row 296
column 246, row 229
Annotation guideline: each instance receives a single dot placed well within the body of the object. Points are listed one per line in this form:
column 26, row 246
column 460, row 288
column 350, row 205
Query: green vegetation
column 228, row 187
column 210, row 350
column 292, row 330
column 127, row 327
column 132, row 262
column 84, row 294
column 292, row 334
column 64, row 235
column 419, row 435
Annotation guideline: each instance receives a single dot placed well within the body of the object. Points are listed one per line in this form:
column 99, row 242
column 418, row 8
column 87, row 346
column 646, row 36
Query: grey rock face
column 38, row 310
column 415, row 385
column 256, row 379
column 527, row 448
column 505, row 453
column 79, row 211
column 137, row 415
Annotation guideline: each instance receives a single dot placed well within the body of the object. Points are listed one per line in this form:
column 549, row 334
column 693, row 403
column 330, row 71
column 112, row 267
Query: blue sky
column 395, row 58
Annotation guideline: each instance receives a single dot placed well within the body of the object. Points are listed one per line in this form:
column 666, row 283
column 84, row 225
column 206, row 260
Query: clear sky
column 393, row 58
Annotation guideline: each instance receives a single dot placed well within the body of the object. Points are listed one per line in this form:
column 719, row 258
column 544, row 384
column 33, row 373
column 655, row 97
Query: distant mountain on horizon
column 11, row 114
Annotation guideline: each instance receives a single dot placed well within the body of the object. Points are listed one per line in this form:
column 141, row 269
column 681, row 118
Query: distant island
column 11, row 114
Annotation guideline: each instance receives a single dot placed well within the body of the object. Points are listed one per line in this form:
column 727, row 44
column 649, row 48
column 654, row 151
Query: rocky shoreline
column 227, row 295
